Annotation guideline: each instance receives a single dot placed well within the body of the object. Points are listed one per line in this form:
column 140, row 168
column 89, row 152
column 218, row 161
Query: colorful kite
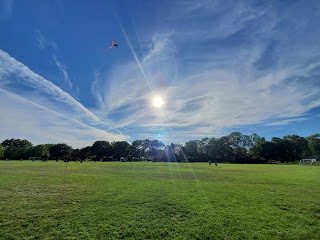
column 113, row 44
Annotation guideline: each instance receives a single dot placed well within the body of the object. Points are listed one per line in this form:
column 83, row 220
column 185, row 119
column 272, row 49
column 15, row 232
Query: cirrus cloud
column 249, row 69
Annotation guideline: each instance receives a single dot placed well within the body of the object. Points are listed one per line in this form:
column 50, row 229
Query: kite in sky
column 113, row 44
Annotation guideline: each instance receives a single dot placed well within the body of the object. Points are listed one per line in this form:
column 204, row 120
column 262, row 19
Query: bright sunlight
column 157, row 102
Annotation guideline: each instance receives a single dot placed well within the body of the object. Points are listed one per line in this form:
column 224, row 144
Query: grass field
column 56, row 200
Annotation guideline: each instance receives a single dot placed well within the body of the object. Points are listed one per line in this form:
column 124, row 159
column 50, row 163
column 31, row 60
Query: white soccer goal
column 308, row 161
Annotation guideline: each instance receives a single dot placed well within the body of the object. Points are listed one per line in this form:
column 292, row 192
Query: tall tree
column 283, row 150
column 154, row 149
column 220, row 149
column 239, row 140
column 177, row 154
column 203, row 149
column 16, row 148
column 41, row 150
column 101, row 150
column 19, row 143
column 314, row 144
column 240, row 145
column 136, row 150
column 120, row 149
column 60, row 151
column 170, row 154
column 85, row 153
column 76, row 154
column 255, row 149
column 300, row 145
column 268, row 150
column 191, row 150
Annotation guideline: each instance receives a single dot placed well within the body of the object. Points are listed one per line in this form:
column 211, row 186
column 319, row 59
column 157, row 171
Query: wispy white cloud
column 160, row 47
column 18, row 79
column 248, row 68
column 287, row 121
column 46, row 44
column 18, row 73
column 43, row 42
column 212, row 19
column 127, row 83
column 64, row 71
column 218, row 65
column 28, row 120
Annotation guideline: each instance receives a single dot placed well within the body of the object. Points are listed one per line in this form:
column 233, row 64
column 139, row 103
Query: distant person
column 209, row 162
column 215, row 163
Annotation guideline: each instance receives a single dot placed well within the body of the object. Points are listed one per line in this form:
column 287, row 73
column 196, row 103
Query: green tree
column 101, row 150
column 255, row 150
column 239, row 140
column 154, row 149
column 60, row 151
column 85, row 153
column 203, row 149
column 16, row 148
column 136, row 150
column 41, row 150
column 19, row 143
column 178, row 151
column 191, row 150
column 76, row 154
column 220, row 149
column 1, row 151
column 300, row 145
column 13, row 152
column 314, row 144
column 120, row 149
column 268, row 150
column 285, row 150
column 170, row 153
column 240, row 145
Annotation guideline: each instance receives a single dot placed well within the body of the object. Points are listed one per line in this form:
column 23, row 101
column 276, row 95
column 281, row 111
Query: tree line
column 234, row 148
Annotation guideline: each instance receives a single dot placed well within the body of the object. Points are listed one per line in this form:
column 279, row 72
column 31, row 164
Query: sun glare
column 157, row 102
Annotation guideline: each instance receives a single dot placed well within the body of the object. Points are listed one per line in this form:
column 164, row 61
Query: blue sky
column 219, row 66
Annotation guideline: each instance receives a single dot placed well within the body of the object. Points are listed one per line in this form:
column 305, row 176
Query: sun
column 157, row 102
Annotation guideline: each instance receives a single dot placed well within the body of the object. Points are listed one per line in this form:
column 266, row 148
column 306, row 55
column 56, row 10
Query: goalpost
column 308, row 161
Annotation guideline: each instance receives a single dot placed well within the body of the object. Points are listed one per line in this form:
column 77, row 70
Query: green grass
column 56, row 200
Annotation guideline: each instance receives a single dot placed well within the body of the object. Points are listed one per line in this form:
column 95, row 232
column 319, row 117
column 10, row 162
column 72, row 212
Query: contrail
column 61, row 115
column 134, row 54
column 10, row 65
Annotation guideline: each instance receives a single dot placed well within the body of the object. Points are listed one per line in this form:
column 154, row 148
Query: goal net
column 308, row 161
